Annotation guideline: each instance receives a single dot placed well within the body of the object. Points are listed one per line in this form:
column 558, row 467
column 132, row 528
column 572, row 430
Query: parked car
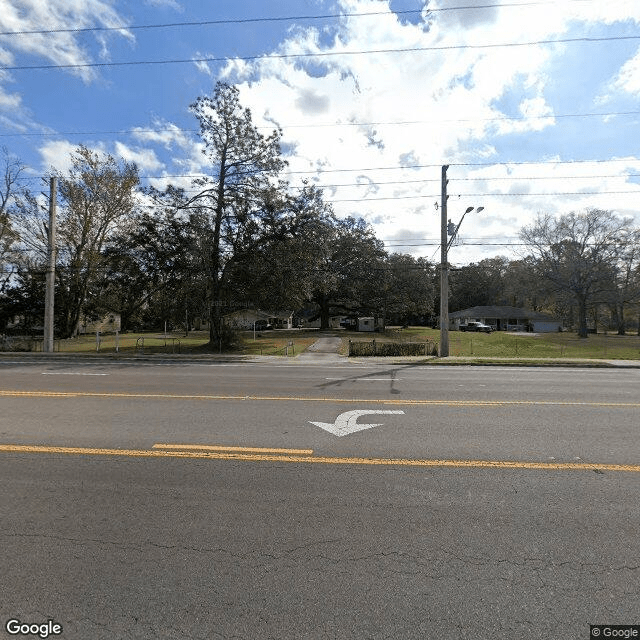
column 476, row 326
column 263, row 325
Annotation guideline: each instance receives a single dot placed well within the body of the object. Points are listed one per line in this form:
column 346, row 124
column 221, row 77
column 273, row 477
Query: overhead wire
column 230, row 21
column 177, row 130
column 320, row 54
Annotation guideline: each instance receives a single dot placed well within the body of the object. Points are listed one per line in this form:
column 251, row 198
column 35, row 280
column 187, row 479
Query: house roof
column 502, row 312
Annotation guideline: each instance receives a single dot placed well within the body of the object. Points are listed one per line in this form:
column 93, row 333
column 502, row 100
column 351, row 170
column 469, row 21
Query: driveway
column 323, row 350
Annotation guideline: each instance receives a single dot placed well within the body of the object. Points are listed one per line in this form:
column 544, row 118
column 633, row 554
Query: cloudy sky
column 534, row 105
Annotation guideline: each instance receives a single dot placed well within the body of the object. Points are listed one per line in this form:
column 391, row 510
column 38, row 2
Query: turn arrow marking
column 347, row 422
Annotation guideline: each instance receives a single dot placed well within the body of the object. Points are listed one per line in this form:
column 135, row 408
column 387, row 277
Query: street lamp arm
column 455, row 233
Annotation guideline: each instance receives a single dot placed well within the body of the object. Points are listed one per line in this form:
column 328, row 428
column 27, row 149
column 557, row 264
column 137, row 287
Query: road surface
column 203, row 500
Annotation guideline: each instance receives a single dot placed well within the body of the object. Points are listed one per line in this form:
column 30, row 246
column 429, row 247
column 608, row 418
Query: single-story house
column 504, row 318
column 245, row 319
column 335, row 322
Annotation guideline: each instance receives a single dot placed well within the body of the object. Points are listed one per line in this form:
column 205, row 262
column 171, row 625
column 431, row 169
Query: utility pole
column 444, row 270
column 51, row 270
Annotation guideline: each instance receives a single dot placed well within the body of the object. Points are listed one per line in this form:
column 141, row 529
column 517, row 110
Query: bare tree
column 96, row 197
column 10, row 188
column 578, row 254
column 98, row 194
column 627, row 278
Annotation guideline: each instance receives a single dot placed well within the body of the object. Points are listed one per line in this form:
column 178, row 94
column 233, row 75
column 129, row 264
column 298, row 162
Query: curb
column 433, row 361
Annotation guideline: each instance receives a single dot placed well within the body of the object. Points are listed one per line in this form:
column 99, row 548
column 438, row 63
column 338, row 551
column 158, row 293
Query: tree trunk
column 622, row 329
column 582, row 317
column 324, row 313
column 215, row 328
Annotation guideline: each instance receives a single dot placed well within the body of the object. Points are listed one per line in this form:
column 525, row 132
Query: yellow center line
column 394, row 462
column 389, row 401
column 202, row 447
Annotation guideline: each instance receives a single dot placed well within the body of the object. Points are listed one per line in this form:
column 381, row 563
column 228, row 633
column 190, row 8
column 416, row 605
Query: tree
column 150, row 275
column 97, row 196
column 478, row 284
column 409, row 288
column 626, row 285
column 10, row 188
column 238, row 201
column 577, row 254
column 281, row 271
column 349, row 270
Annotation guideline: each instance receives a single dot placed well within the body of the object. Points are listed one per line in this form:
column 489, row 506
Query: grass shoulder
column 500, row 344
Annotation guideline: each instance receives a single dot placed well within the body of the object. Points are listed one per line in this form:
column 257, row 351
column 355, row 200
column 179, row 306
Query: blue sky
column 546, row 122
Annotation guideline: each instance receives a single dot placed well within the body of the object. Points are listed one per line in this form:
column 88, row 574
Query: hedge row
column 375, row 348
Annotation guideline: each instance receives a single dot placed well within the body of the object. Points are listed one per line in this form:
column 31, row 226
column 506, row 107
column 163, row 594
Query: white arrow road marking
column 347, row 422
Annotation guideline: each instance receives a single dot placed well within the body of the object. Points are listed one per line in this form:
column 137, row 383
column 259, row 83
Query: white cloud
column 56, row 48
column 51, row 47
column 171, row 4
column 56, row 155
column 146, row 159
column 169, row 135
column 628, row 78
column 450, row 96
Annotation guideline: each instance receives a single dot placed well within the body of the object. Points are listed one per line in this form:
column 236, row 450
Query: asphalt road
column 202, row 501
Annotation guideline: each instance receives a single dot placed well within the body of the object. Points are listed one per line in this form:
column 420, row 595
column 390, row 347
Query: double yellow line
column 301, row 456
column 389, row 401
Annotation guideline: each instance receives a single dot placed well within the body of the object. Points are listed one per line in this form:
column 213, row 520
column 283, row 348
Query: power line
column 492, row 195
column 428, row 166
column 229, row 21
column 323, row 54
column 135, row 131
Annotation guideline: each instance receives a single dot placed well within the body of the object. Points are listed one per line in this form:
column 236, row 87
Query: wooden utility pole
column 51, row 270
column 444, row 270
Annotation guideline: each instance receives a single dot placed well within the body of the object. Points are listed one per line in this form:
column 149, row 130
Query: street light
column 447, row 228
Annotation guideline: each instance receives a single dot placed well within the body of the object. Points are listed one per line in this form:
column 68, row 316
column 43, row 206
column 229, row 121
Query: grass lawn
column 266, row 343
column 517, row 345
column 475, row 345
column 276, row 342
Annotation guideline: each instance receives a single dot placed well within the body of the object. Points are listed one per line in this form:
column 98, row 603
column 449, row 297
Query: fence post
column 374, row 347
